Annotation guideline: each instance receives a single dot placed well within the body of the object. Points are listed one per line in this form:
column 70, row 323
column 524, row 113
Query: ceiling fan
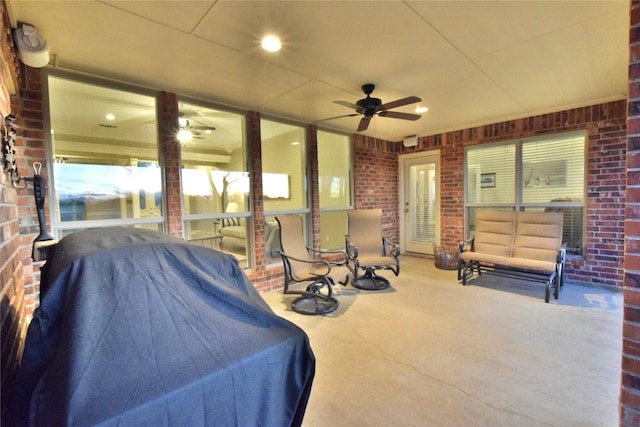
column 369, row 107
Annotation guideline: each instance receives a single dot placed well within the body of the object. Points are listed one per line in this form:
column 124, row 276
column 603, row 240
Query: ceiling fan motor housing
column 368, row 106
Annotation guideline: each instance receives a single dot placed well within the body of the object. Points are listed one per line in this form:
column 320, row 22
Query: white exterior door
column 421, row 202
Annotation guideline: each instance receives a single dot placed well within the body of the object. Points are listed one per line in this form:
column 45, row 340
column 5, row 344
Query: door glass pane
column 105, row 153
column 423, row 198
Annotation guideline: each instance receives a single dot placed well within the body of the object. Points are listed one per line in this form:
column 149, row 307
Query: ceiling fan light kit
column 369, row 107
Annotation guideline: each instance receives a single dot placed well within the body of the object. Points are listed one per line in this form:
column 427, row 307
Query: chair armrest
column 395, row 248
column 326, row 263
column 352, row 250
column 468, row 243
column 342, row 260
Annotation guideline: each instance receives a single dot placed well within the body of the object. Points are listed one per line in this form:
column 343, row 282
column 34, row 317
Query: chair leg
column 370, row 281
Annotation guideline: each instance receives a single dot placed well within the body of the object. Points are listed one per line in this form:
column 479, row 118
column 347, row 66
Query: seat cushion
column 531, row 265
column 376, row 261
column 483, row 257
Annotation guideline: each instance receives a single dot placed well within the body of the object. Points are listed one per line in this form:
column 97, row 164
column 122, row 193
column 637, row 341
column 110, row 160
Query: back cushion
column 538, row 235
column 494, row 232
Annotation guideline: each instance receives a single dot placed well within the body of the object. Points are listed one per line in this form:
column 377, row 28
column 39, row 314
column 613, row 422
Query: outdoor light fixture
column 32, row 48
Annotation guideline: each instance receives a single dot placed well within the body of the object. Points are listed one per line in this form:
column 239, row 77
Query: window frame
column 519, row 203
column 304, row 212
column 218, row 218
column 350, row 172
column 61, row 228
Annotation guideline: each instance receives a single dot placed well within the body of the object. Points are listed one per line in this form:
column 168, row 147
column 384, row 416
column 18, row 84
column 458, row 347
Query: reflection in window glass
column 215, row 182
column 491, row 175
column 105, row 153
column 284, row 172
column 334, row 173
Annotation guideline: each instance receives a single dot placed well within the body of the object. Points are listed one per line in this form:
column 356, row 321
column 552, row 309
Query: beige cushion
column 523, row 240
column 483, row 257
column 494, row 232
column 538, row 236
column 531, row 264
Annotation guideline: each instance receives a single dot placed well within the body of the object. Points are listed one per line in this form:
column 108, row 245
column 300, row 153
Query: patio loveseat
column 523, row 244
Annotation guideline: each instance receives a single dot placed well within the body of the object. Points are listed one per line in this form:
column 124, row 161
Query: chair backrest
column 538, row 235
column 292, row 243
column 494, row 232
column 365, row 231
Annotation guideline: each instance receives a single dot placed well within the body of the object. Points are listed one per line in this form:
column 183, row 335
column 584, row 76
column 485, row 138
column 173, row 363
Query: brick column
column 254, row 142
column 170, row 148
column 314, row 187
column 630, row 384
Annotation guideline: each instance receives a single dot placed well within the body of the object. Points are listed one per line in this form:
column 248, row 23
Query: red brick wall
column 14, row 312
column 630, row 378
column 30, row 148
column 606, row 156
column 376, row 182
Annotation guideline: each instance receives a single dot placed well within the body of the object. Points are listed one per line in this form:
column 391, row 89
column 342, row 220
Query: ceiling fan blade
column 364, row 124
column 399, row 103
column 212, row 128
column 398, row 115
column 346, row 104
column 338, row 117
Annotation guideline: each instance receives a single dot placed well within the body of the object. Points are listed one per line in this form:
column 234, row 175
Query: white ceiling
column 472, row 63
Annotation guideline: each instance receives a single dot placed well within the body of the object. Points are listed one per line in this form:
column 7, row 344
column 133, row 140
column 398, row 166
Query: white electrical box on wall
column 410, row 141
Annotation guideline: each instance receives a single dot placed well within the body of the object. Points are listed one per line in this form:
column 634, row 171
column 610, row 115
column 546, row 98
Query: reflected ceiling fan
column 195, row 131
column 369, row 107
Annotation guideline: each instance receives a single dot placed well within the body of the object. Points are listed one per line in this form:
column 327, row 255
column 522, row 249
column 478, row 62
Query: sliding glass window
column 535, row 174
column 106, row 170
column 215, row 181
column 335, row 187
column 284, row 178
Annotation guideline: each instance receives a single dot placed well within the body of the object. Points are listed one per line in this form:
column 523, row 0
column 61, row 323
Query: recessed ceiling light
column 422, row 109
column 271, row 44
column 110, row 117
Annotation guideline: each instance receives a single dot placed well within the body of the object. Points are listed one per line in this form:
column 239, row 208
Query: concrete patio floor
column 430, row 352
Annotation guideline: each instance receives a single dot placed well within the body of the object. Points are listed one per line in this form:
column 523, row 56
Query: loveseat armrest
column 467, row 245
column 562, row 254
